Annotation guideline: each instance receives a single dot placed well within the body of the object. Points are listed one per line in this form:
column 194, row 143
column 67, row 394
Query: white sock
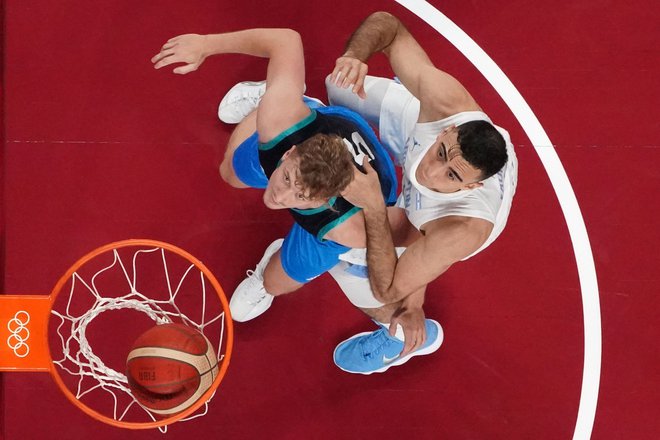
column 399, row 330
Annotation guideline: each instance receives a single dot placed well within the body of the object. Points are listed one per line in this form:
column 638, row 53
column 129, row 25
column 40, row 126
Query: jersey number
column 359, row 148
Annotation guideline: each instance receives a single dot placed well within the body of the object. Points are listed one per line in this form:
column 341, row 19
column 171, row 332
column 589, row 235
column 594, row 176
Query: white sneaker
column 250, row 298
column 240, row 101
column 243, row 99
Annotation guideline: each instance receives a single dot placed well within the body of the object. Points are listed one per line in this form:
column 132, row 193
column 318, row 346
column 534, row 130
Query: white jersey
column 490, row 202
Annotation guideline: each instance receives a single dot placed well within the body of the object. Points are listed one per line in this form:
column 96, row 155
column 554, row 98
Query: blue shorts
column 304, row 257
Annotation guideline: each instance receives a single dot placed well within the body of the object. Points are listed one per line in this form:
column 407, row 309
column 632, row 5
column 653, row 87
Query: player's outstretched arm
column 282, row 105
column 440, row 94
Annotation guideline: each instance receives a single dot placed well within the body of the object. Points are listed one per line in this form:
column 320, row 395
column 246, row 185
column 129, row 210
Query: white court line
column 569, row 205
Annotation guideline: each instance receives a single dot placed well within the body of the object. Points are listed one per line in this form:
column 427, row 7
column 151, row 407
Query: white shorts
column 353, row 279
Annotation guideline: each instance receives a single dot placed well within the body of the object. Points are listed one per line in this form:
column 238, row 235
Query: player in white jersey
column 459, row 178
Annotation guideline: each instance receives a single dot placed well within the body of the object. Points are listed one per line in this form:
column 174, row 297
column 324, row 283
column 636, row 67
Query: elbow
column 289, row 36
column 386, row 20
column 383, row 15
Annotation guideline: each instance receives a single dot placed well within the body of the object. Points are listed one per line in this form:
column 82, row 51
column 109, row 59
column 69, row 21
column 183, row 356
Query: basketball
column 170, row 367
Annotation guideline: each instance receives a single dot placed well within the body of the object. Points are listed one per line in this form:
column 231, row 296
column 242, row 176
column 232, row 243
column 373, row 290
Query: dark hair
column 326, row 166
column 482, row 146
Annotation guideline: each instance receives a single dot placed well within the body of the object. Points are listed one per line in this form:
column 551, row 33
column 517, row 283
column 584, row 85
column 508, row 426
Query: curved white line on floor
column 563, row 189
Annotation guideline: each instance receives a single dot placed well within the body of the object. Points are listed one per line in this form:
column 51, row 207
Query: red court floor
column 99, row 147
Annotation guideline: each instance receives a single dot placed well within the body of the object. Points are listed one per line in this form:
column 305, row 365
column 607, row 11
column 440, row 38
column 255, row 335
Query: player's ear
column 474, row 185
column 288, row 152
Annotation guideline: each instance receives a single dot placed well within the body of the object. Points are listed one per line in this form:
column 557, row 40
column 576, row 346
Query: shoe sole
column 250, row 315
column 400, row 360
column 223, row 103
column 250, row 83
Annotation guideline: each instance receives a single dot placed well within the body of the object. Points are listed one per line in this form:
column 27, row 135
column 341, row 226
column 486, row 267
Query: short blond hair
column 325, row 166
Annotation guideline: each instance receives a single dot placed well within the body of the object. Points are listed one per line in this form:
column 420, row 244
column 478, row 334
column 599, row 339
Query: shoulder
column 272, row 120
column 442, row 95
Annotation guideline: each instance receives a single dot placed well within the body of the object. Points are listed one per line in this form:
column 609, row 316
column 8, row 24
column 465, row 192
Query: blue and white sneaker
column 375, row 352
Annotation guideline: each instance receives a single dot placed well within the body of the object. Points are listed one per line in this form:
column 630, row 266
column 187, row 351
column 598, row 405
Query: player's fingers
column 358, row 88
column 165, row 61
column 409, row 343
column 352, row 76
column 344, row 79
column 336, row 73
column 419, row 341
column 422, row 335
column 164, row 54
column 351, row 73
column 366, row 163
column 168, row 45
column 393, row 323
column 340, row 77
column 182, row 70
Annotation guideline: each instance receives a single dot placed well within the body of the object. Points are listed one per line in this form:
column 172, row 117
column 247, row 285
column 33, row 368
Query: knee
column 224, row 173
column 276, row 280
column 228, row 176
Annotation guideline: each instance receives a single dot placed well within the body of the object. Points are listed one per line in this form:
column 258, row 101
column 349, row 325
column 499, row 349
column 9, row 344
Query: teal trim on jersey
column 337, row 222
column 297, row 126
column 313, row 211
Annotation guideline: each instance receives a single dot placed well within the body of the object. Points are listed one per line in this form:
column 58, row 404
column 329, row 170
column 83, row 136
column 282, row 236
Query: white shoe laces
column 245, row 103
column 253, row 292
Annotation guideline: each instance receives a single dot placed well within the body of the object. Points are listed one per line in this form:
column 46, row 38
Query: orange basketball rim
column 24, row 326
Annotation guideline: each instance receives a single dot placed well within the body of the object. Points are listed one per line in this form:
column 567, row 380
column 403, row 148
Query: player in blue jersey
column 297, row 150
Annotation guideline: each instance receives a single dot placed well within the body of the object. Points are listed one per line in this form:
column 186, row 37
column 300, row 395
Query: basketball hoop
column 52, row 333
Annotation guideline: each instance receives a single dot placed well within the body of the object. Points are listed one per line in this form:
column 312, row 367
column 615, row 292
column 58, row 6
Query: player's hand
column 350, row 72
column 187, row 49
column 364, row 190
column 414, row 330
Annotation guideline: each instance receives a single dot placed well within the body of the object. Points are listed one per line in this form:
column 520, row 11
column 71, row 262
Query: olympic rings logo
column 17, row 326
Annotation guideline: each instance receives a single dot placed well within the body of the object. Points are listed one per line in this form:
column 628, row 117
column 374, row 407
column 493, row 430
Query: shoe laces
column 245, row 104
column 254, row 292
column 375, row 343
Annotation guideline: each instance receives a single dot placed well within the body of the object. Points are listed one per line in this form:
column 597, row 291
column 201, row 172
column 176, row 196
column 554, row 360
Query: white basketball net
column 78, row 358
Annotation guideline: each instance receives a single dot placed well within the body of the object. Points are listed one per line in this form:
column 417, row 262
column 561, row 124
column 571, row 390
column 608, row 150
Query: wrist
column 375, row 205
column 353, row 54
column 206, row 46
column 414, row 301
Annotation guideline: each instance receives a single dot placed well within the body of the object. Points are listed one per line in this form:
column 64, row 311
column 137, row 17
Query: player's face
column 284, row 191
column 443, row 168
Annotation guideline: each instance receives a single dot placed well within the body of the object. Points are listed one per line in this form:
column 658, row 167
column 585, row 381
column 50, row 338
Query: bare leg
column 276, row 281
column 244, row 130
